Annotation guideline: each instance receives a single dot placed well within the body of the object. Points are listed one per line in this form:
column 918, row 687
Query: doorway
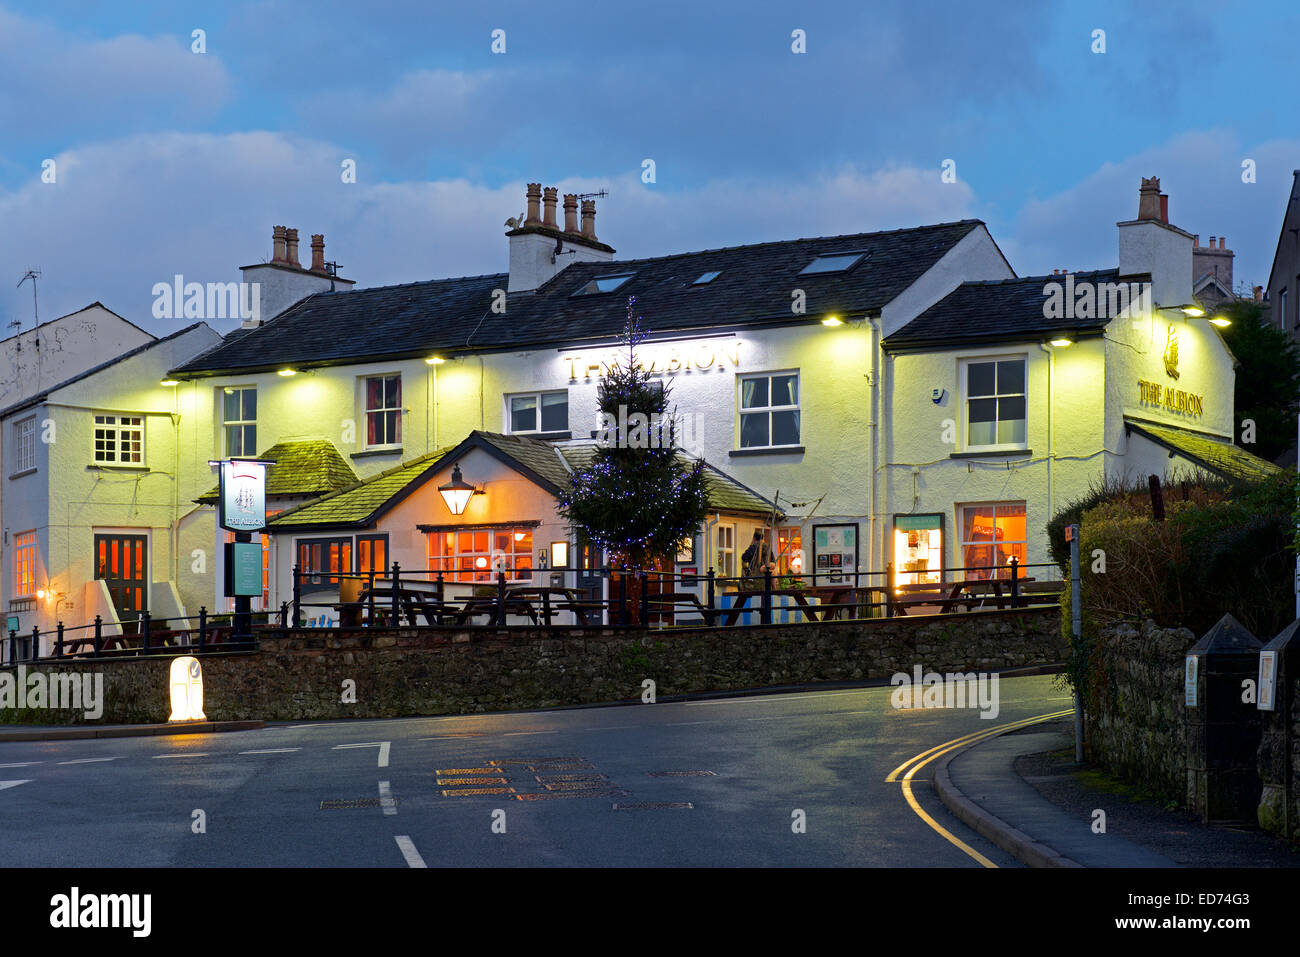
column 121, row 562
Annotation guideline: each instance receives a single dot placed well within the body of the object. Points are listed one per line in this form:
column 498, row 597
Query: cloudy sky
column 172, row 161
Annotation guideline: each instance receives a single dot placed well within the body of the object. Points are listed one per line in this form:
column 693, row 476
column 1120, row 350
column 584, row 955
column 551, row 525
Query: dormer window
column 836, row 262
column 603, row 284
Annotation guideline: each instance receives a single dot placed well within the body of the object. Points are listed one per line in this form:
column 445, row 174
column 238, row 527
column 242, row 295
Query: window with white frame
column 479, row 555
column 119, row 440
column 24, row 565
column 383, row 396
column 25, row 445
column 239, row 420
column 537, row 412
column 769, row 410
column 995, row 403
column 725, row 551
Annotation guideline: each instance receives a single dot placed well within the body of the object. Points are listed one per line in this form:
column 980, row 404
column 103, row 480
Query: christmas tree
column 640, row 497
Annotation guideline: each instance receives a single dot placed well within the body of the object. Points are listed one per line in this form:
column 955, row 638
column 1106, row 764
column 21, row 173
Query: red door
column 122, row 563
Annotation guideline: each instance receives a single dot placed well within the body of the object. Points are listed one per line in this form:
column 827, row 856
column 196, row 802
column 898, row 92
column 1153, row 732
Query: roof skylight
column 603, row 284
column 836, row 262
column 707, row 277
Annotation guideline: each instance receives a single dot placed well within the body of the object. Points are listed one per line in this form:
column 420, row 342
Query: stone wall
column 300, row 674
column 1281, row 731
column 1134, row 721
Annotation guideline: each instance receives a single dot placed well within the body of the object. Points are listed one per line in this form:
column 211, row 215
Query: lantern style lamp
column 457, row 492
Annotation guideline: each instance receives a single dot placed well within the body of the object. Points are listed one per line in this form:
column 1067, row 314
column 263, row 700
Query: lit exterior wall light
column 435, row 360
column 832, row 321
column 1221, row 321
column 1193, row 311
column 169, row 382
column 457, row 492
column 287, row 372
column 1061, row 342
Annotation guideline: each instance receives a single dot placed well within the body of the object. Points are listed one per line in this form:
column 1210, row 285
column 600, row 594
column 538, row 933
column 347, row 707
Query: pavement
column 77, row 732
column 999, row 789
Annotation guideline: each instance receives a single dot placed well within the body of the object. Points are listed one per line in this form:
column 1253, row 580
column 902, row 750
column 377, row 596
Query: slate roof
column 310, row 467
column 997, row 311
column 451, row 316
column 549, row 465
column 1214, row 455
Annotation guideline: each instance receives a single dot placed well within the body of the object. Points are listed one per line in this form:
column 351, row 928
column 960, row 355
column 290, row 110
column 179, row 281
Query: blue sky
column 169, row 161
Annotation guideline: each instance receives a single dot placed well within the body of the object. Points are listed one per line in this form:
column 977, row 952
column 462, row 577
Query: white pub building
column 895, row 397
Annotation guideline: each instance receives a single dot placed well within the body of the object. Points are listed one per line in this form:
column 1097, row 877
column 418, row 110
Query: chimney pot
column 277, row 244
column 534, row 203
column 1259, row 293
column 1164, row 208
column 1196, row 240
column 1220, row 242
column 571, row 213
column 291, row 248
column 589, row 219
column 318, row 252
column 548, row 200
column 1149, row 198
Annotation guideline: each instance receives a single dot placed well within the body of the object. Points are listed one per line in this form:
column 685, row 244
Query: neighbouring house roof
column 454, row 316
column 50, row 322
column 1215, row 455
column 309, row 467
column 143, row 347
column 998, row 311
column 1292, row 209
column 548, row 465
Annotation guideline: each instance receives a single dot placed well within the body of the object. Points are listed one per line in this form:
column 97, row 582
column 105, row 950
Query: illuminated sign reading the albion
column 665, row 359
column 243, row 496
column 1169, row 398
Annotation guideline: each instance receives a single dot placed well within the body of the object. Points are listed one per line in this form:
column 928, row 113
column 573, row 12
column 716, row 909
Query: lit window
column 119, row 439
column 990, row 536
column 478, row 555
column 383, row 410
column 725, row 551
column 24, row 565
column 995, row 404
column 239, row 420
column 372, row 553
column 837, row 262
column 918, row 549
column 769, row 410
column 789, row 550
column 537, row 412
column 25, row 445
column 322, row 560
column 707, row 277
column 603, row 284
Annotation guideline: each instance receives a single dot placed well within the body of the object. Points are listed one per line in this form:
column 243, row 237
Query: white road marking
column 21, row 764
column 617, row 727
column 272, row 751
column 515, row 734
column 386, row 798
column 305, row 726
column 187, row 754
column 680, row 723
column 412, row 856
column 381, row 745
column 87, row 760
column 13, row 784
column 778, row 717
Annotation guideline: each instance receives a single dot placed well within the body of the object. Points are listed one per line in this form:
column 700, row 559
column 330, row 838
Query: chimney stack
column 1259, row 293
column 589, row 219
column 1149, row 199
column 318, row 252
column 548, row 200
column 277, row 244
column 571, row 212
column 291, row 248
column 534, row 205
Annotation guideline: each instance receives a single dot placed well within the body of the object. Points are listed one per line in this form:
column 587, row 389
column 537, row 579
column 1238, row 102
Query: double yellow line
column 912, row 765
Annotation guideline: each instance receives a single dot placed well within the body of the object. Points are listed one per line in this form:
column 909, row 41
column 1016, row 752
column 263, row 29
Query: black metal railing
column 608, row 596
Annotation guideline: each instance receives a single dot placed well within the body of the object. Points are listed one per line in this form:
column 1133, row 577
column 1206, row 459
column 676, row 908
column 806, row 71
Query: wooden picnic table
column 948, row 598
column 569, row 599
column 671, row 599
